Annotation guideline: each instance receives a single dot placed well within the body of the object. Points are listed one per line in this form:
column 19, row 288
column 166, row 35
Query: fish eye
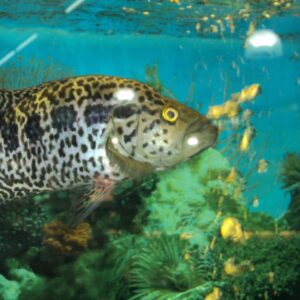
column 170, row 114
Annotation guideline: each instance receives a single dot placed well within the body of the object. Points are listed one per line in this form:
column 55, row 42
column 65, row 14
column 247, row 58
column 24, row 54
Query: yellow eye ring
column 170, row 114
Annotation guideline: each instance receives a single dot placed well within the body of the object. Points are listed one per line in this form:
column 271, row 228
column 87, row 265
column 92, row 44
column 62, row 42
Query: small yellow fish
column 216, row 294
column 230, row 268
column 229, row 109
column 231, row 176
column 255, row 202
column 247, row 114
column 233, row 269
column 266, row 14
column 214, row 28
column 248, row 135
column 249, row 93
column 187, row 256
column 262, row 166
column 230, row 22
column 271, row 277
column 232, row 229
column 251, row 28
column 186, row 236
column 213, row 243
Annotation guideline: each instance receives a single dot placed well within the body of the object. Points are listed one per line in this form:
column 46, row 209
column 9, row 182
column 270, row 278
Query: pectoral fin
column 102, row 191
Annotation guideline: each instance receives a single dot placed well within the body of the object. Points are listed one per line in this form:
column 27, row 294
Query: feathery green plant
column 290, row 173
column 167, row 268
column 290, row 176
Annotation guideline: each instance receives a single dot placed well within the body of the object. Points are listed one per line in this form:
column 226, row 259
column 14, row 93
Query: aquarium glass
column 222, row 224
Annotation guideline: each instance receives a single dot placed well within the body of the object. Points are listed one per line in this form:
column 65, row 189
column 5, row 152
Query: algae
column 25, row 72
column 290, row 176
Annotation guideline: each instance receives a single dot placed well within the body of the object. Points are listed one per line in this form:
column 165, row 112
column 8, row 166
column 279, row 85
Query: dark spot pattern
column 125, row 111
column 128, row 137
column 33, row 129
column 50, row 109
column 9, row 134
column 95, row 114
column 64, row 118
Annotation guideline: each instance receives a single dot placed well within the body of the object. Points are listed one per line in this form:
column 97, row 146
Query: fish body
column 97, row 130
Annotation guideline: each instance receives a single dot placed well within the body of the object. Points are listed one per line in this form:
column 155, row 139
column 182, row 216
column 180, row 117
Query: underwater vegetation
column 290, row 176
column 183, row 234
column 22, row 73
column 20, row 227
column 259, row 268
column 290, row 173
column 152, row 78
column 193, row 208
column 170, row 268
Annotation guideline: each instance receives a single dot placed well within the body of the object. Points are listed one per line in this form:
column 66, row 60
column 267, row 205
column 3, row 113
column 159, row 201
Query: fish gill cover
column 210, row 228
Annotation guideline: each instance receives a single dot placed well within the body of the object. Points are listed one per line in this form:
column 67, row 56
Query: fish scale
column 84, row 130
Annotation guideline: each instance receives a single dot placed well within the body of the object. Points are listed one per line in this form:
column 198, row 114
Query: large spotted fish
column 92, row 130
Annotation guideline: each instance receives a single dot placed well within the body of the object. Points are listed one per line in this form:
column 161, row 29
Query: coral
column 290, row 175
column 21, row 72
column 65, row 240
column 20, row 226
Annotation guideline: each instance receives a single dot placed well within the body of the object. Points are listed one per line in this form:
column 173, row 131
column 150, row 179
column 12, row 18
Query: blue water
column 119, row 38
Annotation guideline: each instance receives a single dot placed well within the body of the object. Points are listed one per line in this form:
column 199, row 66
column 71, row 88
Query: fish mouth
column 199, row 136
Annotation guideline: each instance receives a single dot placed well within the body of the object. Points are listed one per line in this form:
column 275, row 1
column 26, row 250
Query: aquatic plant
column 267, row 267
column 23, row 72
column 94, row 274
column 85, row 278
column 9, row 289
column 169, row 268
column 290, row 176
column 152, row 78
column 290, row 173
column 65, row 240
column 21, row 225
column 190, row 199
column 258, row 221
column 169, row 247
column 122, row 215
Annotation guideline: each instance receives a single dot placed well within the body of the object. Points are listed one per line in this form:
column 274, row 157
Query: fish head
column 160, row 131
